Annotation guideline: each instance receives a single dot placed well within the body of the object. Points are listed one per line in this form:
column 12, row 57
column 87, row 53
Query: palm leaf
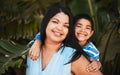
column 10, row 55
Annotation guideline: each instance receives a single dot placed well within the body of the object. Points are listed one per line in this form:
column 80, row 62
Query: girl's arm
column 79, row 67
column 94, row 66
column 34, row 51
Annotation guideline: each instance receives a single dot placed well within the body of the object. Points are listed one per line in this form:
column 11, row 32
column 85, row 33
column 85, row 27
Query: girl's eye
column 88, row 28
column 78, row 26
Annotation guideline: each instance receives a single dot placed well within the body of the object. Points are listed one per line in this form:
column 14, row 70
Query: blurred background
column 20, row 21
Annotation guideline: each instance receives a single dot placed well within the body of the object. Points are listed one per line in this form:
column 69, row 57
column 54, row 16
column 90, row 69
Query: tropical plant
column 10, row 55
column 19, row 19
column 106, row 16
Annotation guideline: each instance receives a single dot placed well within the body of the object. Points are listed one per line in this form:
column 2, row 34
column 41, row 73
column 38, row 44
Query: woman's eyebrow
column 58, row 20
column 55, row 19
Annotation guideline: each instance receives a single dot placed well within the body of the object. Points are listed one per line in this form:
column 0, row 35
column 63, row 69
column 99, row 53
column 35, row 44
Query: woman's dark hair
column 52, row 12
column 84, row 16
column 71, row 39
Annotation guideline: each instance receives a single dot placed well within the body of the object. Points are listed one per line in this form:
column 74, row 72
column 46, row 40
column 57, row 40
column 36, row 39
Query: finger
column 31, row 55
column 29, row 52
column 91, row 59
column 91, row 68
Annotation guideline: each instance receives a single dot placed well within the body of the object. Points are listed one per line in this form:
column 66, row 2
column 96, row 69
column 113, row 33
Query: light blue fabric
column 56, row 65
column 90, row 49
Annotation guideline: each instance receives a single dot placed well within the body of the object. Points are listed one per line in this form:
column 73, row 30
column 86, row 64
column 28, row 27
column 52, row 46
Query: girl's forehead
column 83, row 20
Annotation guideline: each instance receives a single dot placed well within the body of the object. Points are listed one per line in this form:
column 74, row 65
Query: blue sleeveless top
column 56, row 66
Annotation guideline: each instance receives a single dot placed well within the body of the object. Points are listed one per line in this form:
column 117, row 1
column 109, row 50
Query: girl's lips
column 82, row 35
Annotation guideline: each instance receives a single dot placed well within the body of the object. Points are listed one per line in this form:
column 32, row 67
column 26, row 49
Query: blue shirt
column 56, row 66
column 90, row 49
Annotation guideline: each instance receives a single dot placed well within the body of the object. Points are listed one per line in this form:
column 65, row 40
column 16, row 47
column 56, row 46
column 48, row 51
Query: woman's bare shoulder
column 79, row 67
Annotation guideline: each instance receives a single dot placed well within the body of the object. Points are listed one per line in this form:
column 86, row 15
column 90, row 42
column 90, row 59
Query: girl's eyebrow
column 89, row 25
column 78, row 23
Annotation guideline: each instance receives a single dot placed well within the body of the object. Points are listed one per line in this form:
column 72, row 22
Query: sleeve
column 37, row 37
column 91, row 51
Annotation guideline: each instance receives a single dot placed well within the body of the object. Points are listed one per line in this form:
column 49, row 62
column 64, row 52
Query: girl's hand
column 93, row 66
column 34, row 51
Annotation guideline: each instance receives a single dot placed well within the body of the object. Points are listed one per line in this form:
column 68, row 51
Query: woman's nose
column 59, row 27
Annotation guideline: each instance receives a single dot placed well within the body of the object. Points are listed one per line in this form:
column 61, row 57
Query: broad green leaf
column 10, row 55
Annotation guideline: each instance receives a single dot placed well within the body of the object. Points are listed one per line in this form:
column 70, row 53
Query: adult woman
column 55, row 57
column 54, row 30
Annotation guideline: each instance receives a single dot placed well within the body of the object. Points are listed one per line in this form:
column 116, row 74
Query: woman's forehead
column 61, row 17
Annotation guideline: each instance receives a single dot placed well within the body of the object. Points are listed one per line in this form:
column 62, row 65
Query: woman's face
column 57, row 28
column 83, row 30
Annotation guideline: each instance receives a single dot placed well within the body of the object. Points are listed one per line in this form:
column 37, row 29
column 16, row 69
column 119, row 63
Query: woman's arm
column 79, row 67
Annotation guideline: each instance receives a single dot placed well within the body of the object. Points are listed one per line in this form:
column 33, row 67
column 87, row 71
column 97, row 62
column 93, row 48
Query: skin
column 56, row 32
column 79, row 68
column 83, row 32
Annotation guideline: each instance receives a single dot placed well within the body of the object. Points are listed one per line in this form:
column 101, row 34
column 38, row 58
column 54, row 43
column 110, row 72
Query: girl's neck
column 83, row 43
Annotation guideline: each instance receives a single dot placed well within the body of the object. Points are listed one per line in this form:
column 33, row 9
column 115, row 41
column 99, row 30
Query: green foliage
column 21, row 18
column 11, row 55
column 106, row 16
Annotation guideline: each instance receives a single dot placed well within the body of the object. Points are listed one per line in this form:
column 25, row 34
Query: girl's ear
column 92, row 32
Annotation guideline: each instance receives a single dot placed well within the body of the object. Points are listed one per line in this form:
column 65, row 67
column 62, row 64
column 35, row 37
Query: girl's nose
column 83, row 30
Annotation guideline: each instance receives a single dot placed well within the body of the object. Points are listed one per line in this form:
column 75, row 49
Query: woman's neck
column 51, row 46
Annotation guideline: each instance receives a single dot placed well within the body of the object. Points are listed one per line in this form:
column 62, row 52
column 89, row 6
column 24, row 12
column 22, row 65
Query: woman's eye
column 67, row 26
column 55, row 22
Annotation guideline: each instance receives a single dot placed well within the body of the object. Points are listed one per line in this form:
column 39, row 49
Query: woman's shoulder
column 67, row 51
column 79, row 67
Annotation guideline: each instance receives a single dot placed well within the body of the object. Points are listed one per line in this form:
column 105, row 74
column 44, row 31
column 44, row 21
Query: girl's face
column 57, row 28
column 83, row 30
